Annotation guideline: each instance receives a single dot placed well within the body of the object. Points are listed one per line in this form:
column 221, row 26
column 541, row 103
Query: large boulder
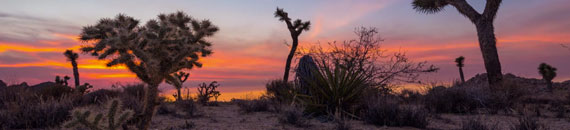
column 305, row 72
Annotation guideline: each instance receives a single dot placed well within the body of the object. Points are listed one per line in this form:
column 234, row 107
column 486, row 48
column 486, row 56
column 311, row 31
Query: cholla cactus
column 177, row 80
column 164, row 46
column 459, row 61
column 295, row 28
column 72, row 56
column 548, row 73
column 113, row 119
column 205, row 92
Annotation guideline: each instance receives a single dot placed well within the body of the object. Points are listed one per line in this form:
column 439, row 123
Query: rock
column 43, row 85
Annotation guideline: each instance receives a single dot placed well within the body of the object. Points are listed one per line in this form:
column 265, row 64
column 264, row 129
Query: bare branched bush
column 390, row 114
column 366, row 55
column 294, row 116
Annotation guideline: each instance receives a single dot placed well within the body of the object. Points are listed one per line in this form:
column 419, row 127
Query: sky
column 251, row 47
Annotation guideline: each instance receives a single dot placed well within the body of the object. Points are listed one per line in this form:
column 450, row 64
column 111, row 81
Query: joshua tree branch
column 467, row 10
column 491, row 9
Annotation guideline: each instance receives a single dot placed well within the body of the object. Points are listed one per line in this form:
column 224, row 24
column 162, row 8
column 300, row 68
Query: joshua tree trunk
column 461, row 74
column 75, row 73
column 487, row 43
column 549, row 85
column 290, row 57
column 179, row 98
column 150, row 103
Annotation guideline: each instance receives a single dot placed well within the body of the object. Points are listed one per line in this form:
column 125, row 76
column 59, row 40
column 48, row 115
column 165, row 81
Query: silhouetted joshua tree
column 72, row 56
column 485, row 29
column 459, row 61
column 174, row 42
column 295, row 28
column 63, row 81
column 177, row 82
column 548, row 73
column 205, row 92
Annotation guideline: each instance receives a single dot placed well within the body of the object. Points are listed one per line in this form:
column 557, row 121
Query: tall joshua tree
column 154, row 51
column 459, row 61
column 72, row 56
column 177, row 81
column 485, row 29
column 295, row 28
column 548, row 73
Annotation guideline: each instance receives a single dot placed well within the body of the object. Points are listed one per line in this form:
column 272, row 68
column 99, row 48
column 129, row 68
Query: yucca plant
column 334, row 91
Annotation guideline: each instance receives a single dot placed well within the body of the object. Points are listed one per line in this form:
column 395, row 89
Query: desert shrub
column 97, row 97
column 410, row 96
column 452, row 100
column 255, row 105
column 29, row 111
column 528, row 123
column 281, row 91
column 187, row 106
column 342, row 125
column 293, row 116
column 179, row 109
column 55, row 91
column 136, row 90
column 476, row 124
column 389, row 114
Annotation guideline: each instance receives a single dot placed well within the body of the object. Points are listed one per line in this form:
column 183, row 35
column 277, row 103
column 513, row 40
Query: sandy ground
column 227, row 116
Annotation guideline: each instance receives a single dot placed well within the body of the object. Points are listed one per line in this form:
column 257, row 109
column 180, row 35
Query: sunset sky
column 250, row 48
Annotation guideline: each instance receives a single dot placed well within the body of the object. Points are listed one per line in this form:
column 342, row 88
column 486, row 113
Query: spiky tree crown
column 548, row 72
column 71, row 56
column 429, row 6
column 459, row 61
column 297, row 25
column 161, row 47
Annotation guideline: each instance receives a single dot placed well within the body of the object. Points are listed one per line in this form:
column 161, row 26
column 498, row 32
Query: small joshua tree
column 72, row 56
column 548, row 73
column 459, row 61
column 205, row 92
column 161, row 47
column 177, row 82
column 295, row 28
column 63, row 81
column 114, row 118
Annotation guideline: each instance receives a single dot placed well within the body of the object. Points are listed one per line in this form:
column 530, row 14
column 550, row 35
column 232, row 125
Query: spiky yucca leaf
column 429, row 6
column 334, row 91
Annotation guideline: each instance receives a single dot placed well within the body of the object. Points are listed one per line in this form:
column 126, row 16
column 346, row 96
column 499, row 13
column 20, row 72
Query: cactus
column 295, row 28
column 459, row 61
column 161, row 47
column 548, row 73
column 72, row 56
column 304, row 72
column 177, row 80
column 114, row 118
column 205, row 92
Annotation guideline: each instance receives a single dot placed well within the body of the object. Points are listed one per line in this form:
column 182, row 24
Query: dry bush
column 453, row 100
column 255, row 105
column 294, row 116
column 389, row 114
column 26, row 112
column 281, row 91
column 476, row 124
column 528, row 123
